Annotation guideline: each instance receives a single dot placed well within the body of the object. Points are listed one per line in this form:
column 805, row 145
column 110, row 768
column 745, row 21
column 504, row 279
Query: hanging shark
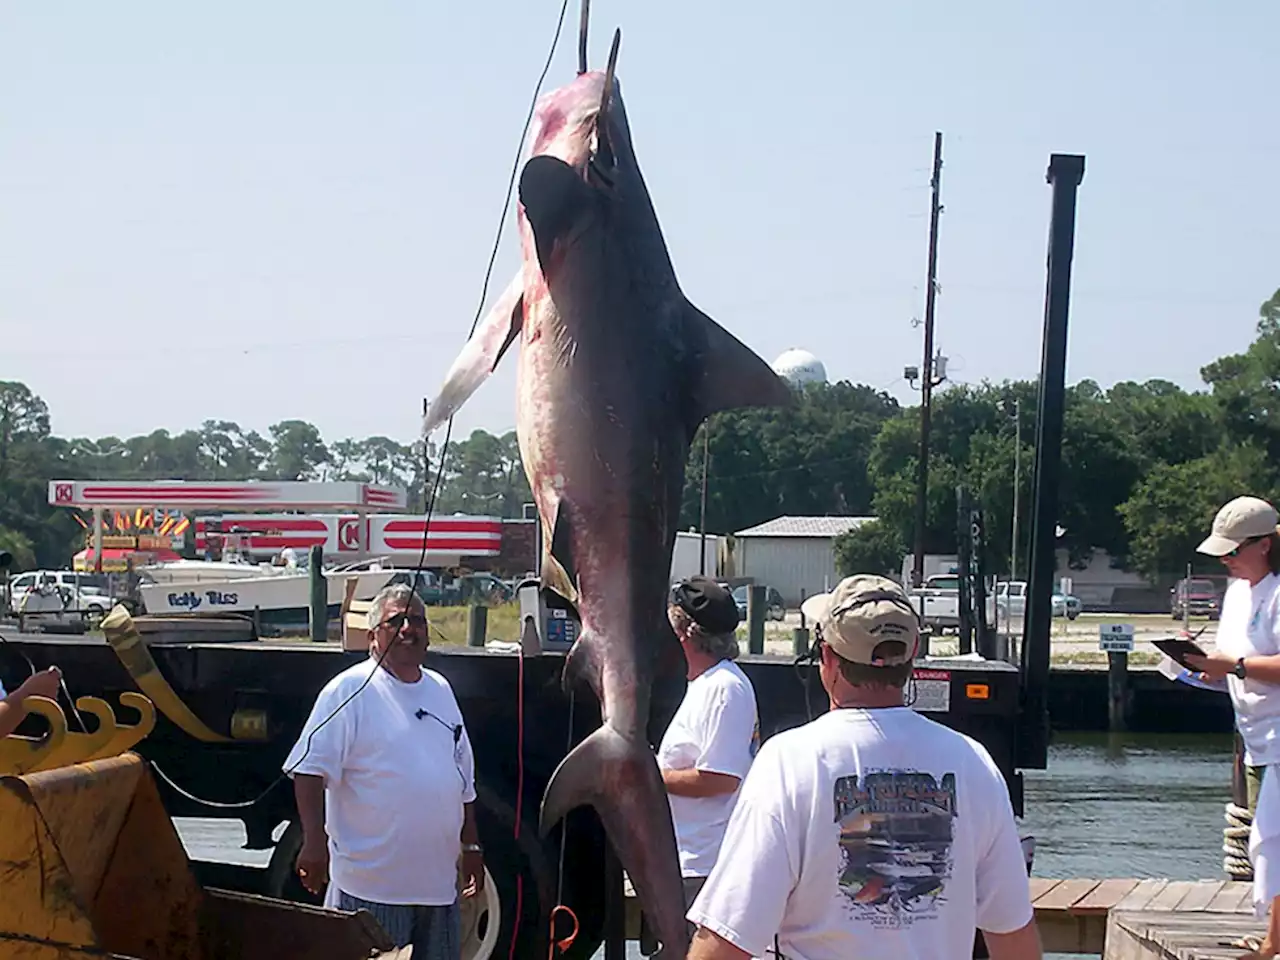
column 617, row 371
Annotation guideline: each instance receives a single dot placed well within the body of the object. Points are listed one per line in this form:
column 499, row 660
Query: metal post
column 1017, row 482
column 97, row 539
column 964, row 600
column 615, row 910
column 926, row 374
column 319, row 608
column 1065, row 174
column 1186, row 603
column 800, row 635
column 702, row 525
column 755, row 618
column 477, row 624
column 983, row 638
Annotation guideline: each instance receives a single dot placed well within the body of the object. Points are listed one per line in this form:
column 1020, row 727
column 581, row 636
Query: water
column 1107, row 806
column 1130, row 806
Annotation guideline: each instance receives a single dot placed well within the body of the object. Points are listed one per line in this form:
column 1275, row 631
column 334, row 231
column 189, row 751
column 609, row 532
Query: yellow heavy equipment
column 91, row 865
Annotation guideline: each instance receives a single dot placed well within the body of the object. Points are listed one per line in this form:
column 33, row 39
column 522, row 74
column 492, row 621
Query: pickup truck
column 1011, row 602
column 938, row 602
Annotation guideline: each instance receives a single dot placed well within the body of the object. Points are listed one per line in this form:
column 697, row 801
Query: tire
column 282, row 879
column 1072, row 614
column 506, row 859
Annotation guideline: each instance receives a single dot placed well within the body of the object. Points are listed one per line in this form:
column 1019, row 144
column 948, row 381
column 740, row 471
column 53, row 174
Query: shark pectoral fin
column 558, row 570
column 480, row 356
column 727, row 374
column 554, row 198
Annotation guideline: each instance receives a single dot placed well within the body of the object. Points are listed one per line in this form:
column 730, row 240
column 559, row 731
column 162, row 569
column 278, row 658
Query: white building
column 792, row 554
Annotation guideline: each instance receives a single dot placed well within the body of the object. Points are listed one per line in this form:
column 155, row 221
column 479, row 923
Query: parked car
column 1195, row 596
column 775, row 609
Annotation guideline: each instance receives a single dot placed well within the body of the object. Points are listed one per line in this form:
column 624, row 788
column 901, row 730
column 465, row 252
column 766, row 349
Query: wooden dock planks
column 1072, row 914
column 1178, row 935
column 1076, row 915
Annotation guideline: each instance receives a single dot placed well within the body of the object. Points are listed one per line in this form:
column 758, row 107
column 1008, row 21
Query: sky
column 257, row 212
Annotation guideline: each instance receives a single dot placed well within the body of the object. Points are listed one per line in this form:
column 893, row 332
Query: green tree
column 1172, row 509
column 1246, row 385
column 297, row 451
column 20, row 547
column 872, row 547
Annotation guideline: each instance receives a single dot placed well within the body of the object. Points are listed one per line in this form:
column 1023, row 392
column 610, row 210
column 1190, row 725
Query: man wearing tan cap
column 871, row 831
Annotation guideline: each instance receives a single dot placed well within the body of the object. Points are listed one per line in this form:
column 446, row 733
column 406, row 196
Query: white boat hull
column 271, row 596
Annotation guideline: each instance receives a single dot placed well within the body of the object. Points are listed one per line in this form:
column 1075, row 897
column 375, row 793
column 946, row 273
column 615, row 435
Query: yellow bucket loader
column 91, row 865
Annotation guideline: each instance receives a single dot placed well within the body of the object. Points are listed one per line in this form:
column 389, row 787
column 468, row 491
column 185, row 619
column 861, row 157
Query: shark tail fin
column 619, row 778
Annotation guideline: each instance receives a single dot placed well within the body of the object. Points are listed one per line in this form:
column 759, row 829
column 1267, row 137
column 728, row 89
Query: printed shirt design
column 896, row 834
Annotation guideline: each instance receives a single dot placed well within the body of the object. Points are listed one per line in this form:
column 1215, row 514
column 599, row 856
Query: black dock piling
column 319, row 606
column 1066, row 171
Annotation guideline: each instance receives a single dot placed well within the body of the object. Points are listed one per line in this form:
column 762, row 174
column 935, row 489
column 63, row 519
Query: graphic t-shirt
column 715, row 729
column 1249, row 627
column 398, row 767
column 868, row 833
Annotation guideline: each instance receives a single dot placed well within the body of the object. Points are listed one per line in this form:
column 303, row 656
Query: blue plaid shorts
column 434, row 932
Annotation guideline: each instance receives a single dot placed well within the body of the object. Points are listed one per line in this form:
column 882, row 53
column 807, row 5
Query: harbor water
column 1109, row 805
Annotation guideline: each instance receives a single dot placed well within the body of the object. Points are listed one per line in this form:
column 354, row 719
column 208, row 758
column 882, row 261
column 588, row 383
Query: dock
column 1130, row 919
column 1125, row 919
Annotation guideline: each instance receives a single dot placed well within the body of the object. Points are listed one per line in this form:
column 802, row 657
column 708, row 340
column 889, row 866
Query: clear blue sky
column 258, row 211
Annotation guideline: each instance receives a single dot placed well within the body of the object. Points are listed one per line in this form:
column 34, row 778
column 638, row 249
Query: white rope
column 1235, row 843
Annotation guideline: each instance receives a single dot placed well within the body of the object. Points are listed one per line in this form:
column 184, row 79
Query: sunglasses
column 1247, row 543
column 397, row 620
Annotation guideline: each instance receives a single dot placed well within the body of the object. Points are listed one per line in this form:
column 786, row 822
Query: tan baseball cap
column 863, row 612
column 1244, row 518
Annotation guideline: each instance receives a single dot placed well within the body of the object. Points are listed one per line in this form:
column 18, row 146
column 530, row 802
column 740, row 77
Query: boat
column 277, row 596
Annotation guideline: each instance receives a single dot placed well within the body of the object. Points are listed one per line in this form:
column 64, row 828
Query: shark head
column 582, row 121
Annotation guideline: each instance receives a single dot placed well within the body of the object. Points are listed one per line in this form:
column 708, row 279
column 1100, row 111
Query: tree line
column 1145, row 465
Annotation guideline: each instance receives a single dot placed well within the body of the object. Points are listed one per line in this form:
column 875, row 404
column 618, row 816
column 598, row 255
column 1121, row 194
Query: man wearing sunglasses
column 385, row 783
column 710, row 741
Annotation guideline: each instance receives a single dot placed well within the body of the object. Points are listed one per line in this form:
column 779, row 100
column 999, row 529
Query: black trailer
column 259, row 694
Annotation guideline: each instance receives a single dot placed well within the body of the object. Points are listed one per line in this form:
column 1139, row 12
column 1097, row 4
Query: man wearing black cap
column 712, row 738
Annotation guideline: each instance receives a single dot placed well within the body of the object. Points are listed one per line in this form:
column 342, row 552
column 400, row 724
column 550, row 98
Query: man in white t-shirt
column 385, row 781
column 871, row 831
column 708, row 746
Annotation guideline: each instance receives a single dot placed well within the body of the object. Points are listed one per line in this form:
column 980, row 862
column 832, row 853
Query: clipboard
column 1176, row 648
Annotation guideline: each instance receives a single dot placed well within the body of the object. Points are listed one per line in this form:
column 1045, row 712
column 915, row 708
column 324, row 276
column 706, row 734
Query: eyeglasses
column 417, row 622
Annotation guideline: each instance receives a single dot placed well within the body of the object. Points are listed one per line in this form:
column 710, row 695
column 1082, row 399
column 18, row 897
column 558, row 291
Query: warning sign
column 930, row 691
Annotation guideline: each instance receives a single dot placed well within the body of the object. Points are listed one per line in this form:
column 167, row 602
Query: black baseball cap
column 711, row 606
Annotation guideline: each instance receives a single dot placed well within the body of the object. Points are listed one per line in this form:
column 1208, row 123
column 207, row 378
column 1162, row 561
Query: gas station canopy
column 241, row 495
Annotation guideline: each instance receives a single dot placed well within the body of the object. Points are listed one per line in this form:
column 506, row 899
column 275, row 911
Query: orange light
column 977, row 691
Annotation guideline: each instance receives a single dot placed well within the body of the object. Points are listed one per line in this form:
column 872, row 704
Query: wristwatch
column 1238, row 669
column 472, row 848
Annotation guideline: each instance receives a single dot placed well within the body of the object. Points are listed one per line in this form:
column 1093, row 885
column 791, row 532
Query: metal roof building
column 793, row 554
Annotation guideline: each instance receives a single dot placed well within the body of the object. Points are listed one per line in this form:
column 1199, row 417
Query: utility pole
column 702, row 525
column 926, row 374
column 1017, row 479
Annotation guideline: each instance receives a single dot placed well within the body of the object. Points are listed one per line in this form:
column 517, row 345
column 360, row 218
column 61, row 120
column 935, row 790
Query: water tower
column 800, row 367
